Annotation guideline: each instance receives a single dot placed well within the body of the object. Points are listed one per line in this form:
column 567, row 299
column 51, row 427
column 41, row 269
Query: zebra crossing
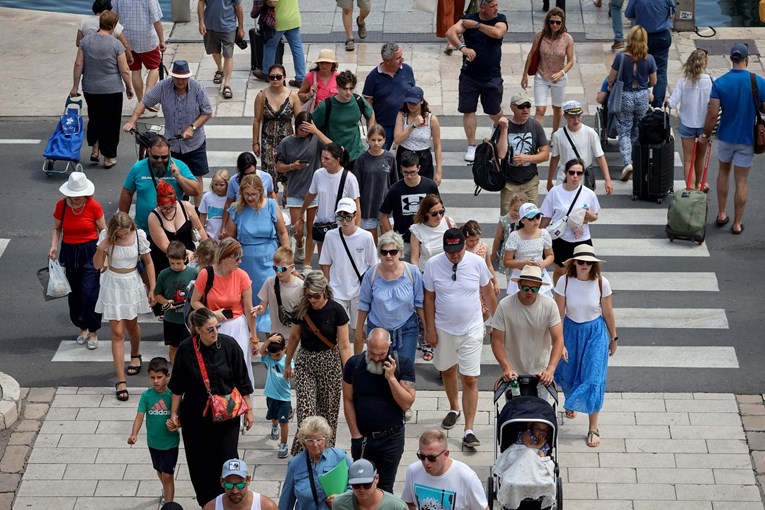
column 629, row 235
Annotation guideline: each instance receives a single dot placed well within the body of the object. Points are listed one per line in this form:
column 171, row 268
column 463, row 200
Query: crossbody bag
column 589, row 175
column 316, row 331
column 320, row 230
column 348, row 252
column 222, row 407
column 558, row 228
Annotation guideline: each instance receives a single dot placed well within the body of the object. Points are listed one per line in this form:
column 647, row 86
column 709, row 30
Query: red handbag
column 534, row 63
column 223, row 407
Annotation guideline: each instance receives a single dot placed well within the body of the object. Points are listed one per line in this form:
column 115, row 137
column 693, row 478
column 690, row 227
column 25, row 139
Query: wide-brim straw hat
column 532, row 274
column 584, row 252
column 326, row 55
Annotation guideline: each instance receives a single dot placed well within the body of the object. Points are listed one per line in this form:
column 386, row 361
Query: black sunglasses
column 526, row 288
column 362, row 485
column 454, row 273
column 273, row 77
column 392, row 252
column 166, row 156
column 436, row 214
column 524, row 106
column 555, row 22
column 431, row 458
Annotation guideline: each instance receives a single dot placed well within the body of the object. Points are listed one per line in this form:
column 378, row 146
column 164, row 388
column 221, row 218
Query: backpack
column 487, row 167
column 189, row 292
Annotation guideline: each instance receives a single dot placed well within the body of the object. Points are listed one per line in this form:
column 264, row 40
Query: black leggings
column 104, row 119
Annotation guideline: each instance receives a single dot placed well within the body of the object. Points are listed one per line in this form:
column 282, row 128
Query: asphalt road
column 33, row 329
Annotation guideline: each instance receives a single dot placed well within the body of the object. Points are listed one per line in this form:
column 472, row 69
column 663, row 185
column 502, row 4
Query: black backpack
column 653, row 129
column 487, row 167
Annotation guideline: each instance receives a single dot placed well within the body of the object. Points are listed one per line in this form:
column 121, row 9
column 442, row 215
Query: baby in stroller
column 536, row 437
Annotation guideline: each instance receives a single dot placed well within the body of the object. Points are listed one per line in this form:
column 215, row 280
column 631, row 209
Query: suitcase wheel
column 634, row 197
column 659, row 200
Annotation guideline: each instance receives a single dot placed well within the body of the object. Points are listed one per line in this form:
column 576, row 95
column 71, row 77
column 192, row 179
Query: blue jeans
column 616, row 19
column 658, row 46
column 404, row 339
column 296, row 46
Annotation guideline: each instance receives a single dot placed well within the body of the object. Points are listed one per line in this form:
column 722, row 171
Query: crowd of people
column 231, row 276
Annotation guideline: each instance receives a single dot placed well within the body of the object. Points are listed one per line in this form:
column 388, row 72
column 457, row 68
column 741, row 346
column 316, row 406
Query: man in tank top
column 237, row 495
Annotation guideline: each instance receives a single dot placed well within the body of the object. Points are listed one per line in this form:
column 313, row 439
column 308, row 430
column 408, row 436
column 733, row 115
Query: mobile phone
column 303, row 161
column 228, row 313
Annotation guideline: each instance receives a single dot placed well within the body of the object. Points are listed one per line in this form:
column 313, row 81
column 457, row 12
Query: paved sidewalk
column 672, row 451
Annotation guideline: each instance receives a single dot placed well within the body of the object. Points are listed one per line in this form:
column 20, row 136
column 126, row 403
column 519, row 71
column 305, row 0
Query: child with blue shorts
column 277, row 390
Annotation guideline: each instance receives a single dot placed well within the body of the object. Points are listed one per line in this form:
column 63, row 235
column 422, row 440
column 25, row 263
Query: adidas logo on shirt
column 159, row 409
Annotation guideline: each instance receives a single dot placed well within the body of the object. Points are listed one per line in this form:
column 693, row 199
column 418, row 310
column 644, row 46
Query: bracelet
column 615, row 339
column 461, row 46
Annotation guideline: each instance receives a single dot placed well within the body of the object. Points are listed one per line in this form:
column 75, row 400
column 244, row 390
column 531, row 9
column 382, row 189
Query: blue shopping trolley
column 66, row 141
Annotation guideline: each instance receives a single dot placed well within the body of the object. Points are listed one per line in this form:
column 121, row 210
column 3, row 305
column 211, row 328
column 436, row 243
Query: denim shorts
column 689, row 132
column 741, row 154
column 557, row 91
column 369, row 223
column 297, row 202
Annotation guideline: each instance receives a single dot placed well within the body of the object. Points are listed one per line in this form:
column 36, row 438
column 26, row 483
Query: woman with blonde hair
column 637, row 69
column 692, row 94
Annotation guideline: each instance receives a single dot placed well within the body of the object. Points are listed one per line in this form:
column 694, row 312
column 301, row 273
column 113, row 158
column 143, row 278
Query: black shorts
column 196, row 160
column 164, row 461
column 490, row 92
column 564, row 250
column 174, row 333
column 278, row 410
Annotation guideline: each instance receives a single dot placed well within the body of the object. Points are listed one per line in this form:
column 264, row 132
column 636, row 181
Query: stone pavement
column 673, row 451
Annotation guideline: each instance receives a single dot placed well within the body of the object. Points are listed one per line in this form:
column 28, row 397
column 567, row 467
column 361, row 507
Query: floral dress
column 481, row 249
column 277, row 125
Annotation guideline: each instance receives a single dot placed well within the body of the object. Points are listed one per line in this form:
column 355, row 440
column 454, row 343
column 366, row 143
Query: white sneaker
column 299, row 253
column 627, row 172
column 470, row 154
column 274, row 432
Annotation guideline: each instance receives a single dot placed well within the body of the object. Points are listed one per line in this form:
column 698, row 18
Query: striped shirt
column 180, row 111
column 138, row 17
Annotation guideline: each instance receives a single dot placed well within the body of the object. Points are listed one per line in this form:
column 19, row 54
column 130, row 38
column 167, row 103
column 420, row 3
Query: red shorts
column 150, row 60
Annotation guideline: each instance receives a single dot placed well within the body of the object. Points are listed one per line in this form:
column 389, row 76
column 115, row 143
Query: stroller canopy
column 520, row 411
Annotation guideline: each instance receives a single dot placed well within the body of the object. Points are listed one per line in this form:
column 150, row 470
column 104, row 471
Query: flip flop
column 722, row 223
column 737, row 232
column 218, row 77
column 592, row 442
column 570, row 414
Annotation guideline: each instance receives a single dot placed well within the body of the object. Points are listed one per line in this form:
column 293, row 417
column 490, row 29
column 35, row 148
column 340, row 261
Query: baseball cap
column 361, row 471
column 346, row 205
column 573, row 108
column 454, row 240
column 739, row 51
column 520, row 98
column 414, row 95
column 528, row 210
column 234, row 467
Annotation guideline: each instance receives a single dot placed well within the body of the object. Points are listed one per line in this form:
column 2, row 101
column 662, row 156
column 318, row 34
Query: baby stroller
column 543, row 476
column 66, row 141
column 605, row 126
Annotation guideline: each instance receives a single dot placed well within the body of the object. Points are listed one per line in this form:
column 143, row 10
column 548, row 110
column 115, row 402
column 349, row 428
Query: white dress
column 123, row 295
column 431, row 240
column 529, row 249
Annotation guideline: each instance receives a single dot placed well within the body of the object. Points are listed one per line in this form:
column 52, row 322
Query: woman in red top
column 78, row 218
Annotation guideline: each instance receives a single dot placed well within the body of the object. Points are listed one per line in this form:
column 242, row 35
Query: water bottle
column 515, row 388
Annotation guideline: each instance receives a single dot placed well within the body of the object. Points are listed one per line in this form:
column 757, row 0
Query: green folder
column 335, row 481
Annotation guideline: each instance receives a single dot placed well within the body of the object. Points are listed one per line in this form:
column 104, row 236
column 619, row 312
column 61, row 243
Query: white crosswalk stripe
column 625, row 232
column 3, row 245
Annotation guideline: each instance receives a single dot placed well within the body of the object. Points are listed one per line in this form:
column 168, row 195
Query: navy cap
column 739, row 51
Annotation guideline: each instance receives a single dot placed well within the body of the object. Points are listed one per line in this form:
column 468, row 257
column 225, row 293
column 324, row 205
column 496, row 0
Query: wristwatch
column 615, row 339
column 193, row 127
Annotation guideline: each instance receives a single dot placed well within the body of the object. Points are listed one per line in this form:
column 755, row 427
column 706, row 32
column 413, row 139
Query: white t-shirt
column 458, row 302
column 528, row 343
column 324, row 185
column 556, row 204
column 582, row 297
column 91, row 24
column 587, row 143
column 457, row 489
column 431, row 240
column 343, row 281
column 290, row 294
column 212, row 205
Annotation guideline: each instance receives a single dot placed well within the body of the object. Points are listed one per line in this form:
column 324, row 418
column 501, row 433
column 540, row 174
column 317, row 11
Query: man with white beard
column 378, row 388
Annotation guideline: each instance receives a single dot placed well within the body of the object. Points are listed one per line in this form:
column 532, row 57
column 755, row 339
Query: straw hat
column 326, row 55
column 584, row 252
column 532, row 274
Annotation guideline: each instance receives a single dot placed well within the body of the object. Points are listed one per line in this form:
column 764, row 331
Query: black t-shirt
column 376, row 410
column 402, row 203
column 226, row 369
column 326, row 320
column 523, row 139
column 488, row 50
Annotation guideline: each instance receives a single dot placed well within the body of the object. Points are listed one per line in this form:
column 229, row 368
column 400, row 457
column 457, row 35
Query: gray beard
column 159, row 169
column 374, row 367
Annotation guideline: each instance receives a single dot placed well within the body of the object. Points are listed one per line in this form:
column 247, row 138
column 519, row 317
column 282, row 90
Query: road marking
column 18, row 141
column 69, row 351
column 607, row 216
column 609, row 247
column 675, row 318
column 653, row 282
column 467, row 186
column 3, row 245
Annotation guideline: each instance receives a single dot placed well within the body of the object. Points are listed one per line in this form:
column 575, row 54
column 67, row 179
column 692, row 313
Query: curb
column 10, row 402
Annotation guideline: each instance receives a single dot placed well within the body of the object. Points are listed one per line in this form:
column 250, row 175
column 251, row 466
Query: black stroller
column 514, row 417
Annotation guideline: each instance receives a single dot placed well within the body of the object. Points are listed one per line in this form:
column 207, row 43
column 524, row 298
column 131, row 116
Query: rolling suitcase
column 687, row 214
column 653, row 159
column 256, row 51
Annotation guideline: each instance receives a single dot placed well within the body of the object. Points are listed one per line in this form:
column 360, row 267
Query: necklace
column 77, row 211
column 175, row 213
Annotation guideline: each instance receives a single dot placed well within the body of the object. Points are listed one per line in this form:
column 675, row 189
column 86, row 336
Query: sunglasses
column 526, row 288
column 524, row 106
column 436, row 214
column 213, row 329
column 454, row 273
column 310, row 295
column 392, row 252
column 583, row 262
column 280, row 269
column 430, row 458
column 575, row 172
column 273, row 77
column 166, row 156
column 555, row 22
column 366, row 486
column 343, row 217
column 230, row 485
column 535, row 217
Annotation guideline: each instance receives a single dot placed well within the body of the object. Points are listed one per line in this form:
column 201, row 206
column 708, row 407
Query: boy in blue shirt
column 277, row 390
column 155, row 403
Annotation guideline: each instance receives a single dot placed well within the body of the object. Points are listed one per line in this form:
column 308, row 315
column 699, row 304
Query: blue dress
column 256, row 231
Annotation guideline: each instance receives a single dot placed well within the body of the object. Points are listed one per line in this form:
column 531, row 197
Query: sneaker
column 451, row 419
column 470, row 441
column 626, row 172
column 283, row 451
column 257, row 73
column 296, row 83
column 470, row 154
column 350, row 45
column 618, row 45
column 300, row 253
column 274, row 432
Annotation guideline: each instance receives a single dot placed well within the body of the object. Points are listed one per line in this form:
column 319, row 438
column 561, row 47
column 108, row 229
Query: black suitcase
column 653, row 170
column 256, row 51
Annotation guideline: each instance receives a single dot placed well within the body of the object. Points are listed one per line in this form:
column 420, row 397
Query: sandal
column 95, row 156
column 427, row 354
column 122, row 395
column 362, row 29
column 593, row 438
column 722, row 222
column 350, row 45
column 570, row 414
column 134, row 369
column 109, row 163
column 227, row 94
column 218, row 78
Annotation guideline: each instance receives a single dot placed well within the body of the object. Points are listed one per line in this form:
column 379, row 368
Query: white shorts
column 557, row 91
column 462, row 350
column 351, row 307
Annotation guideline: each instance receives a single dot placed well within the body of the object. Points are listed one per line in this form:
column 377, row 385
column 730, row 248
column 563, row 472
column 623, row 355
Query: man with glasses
column 378, row 387
column 438, row 481
column 237, row 496
column 524, row 143
column 346, row 254
column 576, row 140
column 455, row 281
column 143, row 177
column 386, row 86
column 526, row 331
column 365, row 492
column 481, row 74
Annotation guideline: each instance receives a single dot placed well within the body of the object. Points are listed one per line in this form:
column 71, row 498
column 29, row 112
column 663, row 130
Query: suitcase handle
column 691, row 169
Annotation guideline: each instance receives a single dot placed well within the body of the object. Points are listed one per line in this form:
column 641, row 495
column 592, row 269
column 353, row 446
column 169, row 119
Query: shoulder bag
column 614, row 103
column 310, row 105
column 589, row 175
column 316, row 331
column 285, row 316
column 348, row 252
column 558, row 228
column 759, row 125
column 320, row 229
column 222, row 407
column 535, row 49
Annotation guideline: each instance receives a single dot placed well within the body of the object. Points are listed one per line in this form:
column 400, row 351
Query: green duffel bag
column 687, row 216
